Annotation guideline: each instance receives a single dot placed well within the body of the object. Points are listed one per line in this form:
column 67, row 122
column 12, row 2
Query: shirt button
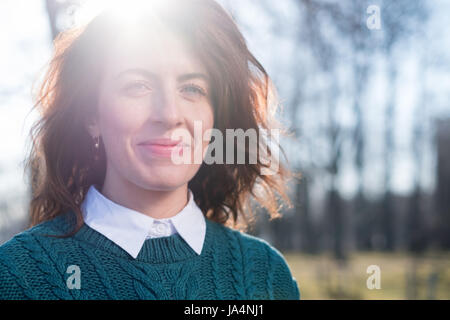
column 160, row 228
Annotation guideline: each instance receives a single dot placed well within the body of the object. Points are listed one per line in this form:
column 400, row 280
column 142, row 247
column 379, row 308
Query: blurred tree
column 401, row 19
column 416, row 224
column 442, row 223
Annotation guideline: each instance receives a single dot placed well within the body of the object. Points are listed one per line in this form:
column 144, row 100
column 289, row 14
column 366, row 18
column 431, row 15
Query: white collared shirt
column 129, row 228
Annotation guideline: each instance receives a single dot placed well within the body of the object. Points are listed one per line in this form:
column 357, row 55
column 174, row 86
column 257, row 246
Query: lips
column 162, row 147
column 161, row 142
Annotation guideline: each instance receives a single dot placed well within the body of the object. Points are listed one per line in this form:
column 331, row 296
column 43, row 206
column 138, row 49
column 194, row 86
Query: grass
column 402, row 276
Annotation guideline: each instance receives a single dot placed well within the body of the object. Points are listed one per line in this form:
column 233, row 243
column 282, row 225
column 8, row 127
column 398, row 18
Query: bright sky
column 25, row 47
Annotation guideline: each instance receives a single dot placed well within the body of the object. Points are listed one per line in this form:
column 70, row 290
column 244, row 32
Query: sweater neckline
column 161, row 250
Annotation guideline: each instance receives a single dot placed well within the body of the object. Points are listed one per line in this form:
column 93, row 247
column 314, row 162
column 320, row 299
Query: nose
column 166, row 109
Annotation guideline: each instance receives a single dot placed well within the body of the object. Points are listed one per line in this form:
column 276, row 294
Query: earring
column 96, row 144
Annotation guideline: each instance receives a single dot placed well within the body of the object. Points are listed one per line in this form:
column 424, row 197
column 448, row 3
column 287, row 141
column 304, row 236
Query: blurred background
column 365, row 89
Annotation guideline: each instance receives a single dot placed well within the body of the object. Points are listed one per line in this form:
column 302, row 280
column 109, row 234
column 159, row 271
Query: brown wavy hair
column 61, row 158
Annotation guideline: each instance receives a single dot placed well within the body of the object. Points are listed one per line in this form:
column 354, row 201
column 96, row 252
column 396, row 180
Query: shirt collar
column 129, row 228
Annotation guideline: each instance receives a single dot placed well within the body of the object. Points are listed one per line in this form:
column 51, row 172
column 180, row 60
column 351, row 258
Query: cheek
column 118, row 122
column 202, row 119
column 207, row 119
column 198, row 123
column 208, row 122
column 206, row 116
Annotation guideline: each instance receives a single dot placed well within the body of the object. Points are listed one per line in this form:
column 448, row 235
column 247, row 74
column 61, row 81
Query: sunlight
column 123, row 11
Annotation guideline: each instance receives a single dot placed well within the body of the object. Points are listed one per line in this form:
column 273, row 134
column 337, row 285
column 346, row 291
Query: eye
column 194, row 89
column 136, row 88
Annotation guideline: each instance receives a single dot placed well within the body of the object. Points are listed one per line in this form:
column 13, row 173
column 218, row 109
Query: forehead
column 160, row 51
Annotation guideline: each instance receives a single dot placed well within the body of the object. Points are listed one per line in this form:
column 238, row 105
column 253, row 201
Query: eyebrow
column 151, row 75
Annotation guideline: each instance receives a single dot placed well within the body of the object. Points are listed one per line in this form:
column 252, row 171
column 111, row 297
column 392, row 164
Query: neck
column 158, row 204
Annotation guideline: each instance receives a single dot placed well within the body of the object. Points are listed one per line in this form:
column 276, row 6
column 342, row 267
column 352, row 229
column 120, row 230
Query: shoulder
column 54, row 227
column 21, row 255
column 259, row 247
column 261, row 254
column 27, row 241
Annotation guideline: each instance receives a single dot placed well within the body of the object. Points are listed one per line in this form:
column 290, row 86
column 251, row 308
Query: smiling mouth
column 163, row 150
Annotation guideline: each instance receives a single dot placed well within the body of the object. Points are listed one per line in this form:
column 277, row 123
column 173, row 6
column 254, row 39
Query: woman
column 113, row 216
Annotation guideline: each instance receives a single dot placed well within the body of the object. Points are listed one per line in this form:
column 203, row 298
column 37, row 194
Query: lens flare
column 121, row 10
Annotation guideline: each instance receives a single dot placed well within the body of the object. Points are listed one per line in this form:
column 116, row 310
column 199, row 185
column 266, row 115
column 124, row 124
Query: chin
column 164, row 185
column 167, row 177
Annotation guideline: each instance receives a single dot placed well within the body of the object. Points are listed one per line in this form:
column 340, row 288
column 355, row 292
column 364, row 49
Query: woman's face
column 150, row 88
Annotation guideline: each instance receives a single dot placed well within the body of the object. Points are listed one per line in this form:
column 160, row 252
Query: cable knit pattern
column 233, row 265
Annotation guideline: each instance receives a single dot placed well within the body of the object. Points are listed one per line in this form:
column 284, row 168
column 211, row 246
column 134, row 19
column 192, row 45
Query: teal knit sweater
column 233, row 265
